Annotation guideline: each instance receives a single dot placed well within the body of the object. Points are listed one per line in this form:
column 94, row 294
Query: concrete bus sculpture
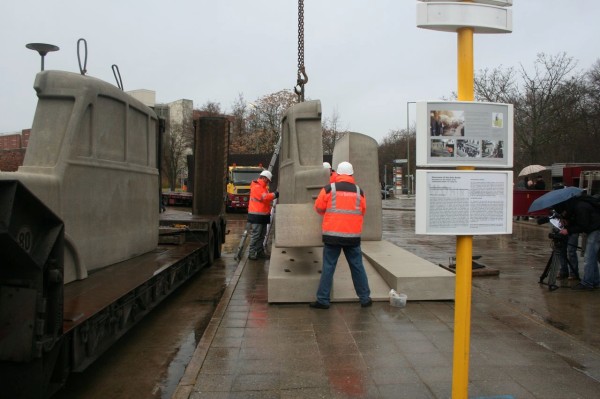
column 79, row 225
column 85, row 167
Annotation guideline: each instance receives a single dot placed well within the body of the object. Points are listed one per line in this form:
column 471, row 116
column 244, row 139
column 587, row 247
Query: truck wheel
column 211, row 247
column 218, row 244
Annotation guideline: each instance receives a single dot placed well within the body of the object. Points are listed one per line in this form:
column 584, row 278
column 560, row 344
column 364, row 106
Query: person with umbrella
column 539, row 183
column 582, row 217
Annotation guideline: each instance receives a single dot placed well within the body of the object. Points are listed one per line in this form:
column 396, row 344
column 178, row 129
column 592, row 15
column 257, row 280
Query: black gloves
column 276, row 194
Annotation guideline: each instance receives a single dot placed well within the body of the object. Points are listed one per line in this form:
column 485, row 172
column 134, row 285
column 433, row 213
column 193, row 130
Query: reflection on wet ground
column 149, row 360
column 262, row 350
column 521, row 259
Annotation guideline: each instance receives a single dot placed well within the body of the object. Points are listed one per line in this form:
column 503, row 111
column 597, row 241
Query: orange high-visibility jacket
column 332, row 176
column 343, row 206
column 259, row 204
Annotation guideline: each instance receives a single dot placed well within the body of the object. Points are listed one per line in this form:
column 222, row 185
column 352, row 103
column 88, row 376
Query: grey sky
column 364, row 58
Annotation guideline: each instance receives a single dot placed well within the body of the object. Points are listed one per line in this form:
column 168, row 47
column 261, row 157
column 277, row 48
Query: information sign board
column 464, row 133
column 463, row 202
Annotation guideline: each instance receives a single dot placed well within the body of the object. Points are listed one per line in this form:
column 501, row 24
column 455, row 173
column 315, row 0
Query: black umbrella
column 554, row 197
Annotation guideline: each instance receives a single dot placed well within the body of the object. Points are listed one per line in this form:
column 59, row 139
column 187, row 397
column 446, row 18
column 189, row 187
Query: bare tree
column 239, row 129
column 545, row 107
column 591, row 111
column 175, row 148
column 211, row 108
column 331, row 132
column 547, row 102
column 497, row 85
column 263, row 121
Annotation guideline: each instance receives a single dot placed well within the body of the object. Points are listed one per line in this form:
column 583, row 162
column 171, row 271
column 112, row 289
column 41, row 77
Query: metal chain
column 302, row 78
column 300, row 35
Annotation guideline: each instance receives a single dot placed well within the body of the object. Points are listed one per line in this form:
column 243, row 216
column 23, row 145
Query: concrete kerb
column 192, row 370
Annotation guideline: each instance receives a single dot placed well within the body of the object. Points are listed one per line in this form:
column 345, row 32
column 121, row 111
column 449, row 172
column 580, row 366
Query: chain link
column 302, row 78
column 300, row 35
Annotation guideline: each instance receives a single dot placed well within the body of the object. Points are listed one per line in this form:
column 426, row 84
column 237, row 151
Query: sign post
column 465, row 18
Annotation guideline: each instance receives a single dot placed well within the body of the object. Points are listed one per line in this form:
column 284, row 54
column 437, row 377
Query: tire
column 211, row 247
column 218, row 244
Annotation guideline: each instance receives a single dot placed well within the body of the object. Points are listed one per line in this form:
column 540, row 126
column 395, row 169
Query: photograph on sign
column 463, row 202
column 464, row 134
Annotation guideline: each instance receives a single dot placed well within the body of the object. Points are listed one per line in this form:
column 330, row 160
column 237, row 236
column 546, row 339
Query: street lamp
column 408, row 179
column 42, row 49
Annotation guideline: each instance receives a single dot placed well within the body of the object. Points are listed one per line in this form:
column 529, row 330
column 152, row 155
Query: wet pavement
column 149, row 361
column 526, row 341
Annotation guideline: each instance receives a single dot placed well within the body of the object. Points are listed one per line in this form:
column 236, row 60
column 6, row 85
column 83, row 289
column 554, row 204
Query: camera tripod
column 553, row 265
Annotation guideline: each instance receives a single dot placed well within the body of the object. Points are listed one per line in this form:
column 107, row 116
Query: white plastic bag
column 396, row 299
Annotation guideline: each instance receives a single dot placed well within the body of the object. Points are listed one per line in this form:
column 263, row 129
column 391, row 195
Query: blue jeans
column 591, row 275
column 570, row 253
column 331, row 253
column 256, row 238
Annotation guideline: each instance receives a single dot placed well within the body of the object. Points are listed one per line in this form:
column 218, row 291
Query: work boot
column 366, row 304
column 318, row 305
column 263, row 255
column 252, row 256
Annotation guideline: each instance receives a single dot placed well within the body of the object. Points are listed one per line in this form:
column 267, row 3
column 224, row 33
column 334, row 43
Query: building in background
column 12, row 150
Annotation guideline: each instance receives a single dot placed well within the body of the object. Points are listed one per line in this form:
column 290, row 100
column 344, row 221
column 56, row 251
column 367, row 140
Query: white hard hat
column 267, row 174
column 326, row 165
column 345, row 168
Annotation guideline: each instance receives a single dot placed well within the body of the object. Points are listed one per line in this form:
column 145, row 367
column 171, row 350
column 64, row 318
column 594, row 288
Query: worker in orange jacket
column 332, row 173
column 259, row 213
column 343, row 205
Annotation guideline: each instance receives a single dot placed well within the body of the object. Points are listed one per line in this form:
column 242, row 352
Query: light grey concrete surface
column 409, row 274
column 294, row 275
column 301, row 173
column 297, row 225
column 91, row 158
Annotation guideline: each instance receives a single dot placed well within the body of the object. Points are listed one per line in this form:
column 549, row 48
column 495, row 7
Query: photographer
column 569, row 263
column 582, row 217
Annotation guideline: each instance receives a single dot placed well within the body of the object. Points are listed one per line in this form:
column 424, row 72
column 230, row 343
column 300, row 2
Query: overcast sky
column 363, row 58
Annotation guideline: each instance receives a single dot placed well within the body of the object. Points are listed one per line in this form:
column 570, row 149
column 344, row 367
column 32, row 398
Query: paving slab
column 294, row 275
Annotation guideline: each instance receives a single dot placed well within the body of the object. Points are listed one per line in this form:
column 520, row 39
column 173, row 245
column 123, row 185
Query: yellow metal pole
column 464, row 244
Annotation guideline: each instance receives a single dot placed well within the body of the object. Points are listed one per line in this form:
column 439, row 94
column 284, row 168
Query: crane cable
column 302, row 77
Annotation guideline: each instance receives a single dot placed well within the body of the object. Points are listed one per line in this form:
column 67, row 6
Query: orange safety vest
column 343, row 206
column 259, row 204
column 332, row 176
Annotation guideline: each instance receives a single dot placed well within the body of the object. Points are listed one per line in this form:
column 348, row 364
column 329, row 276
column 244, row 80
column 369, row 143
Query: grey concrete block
column 294, row 275
column 297, row 225
column 409, row 274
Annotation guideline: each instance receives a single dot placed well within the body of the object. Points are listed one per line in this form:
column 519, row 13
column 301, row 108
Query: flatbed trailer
column 80, row 267
column 103, row 307
column 51, row 330
column 175, row 198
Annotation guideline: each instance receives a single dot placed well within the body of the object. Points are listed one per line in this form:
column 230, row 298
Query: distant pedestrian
column 343, row 205
column 530, row 184
column 539, row 183
column 582, row 217
column 259, row 213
